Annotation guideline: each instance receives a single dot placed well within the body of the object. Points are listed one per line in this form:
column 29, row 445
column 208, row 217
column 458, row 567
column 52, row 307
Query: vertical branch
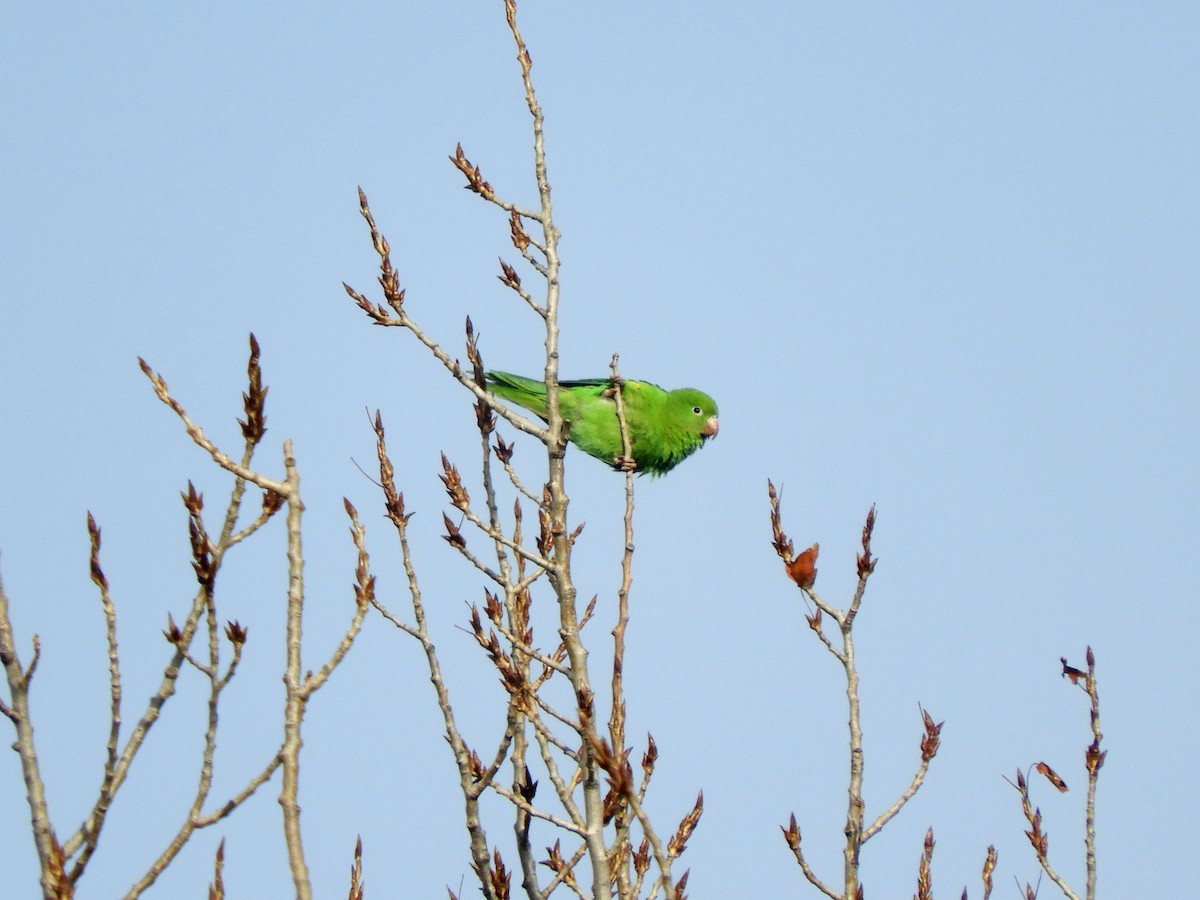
column 1095, row 759
column 50, row 857
column 114, row 667
column 854, row 807
column 107, row 784
column 801, row 569
column 293, row 684
column 616, row 722
column 560, row 570
column 516, row 610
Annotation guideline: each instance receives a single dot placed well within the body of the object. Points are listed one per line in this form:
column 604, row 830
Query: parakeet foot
column 626, row 463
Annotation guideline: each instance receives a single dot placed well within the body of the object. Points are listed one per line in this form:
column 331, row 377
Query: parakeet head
column 699, row 410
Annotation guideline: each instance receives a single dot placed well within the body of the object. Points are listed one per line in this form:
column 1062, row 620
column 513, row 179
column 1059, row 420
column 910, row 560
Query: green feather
column 665, row 427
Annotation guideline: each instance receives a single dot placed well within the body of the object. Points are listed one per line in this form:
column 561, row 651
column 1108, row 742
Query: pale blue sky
column 939, row 257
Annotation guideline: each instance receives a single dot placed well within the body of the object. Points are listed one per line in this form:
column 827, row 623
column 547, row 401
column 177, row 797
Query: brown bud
column 504, row 451
column 453, row 536
column 651, row 755
column 172, row 632
column 932, row 739
column 676, row 845
column 236, row 633
column 791, row 833
column 94, row 563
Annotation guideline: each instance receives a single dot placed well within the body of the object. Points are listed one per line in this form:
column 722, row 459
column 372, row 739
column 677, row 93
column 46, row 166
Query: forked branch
column 802, row 571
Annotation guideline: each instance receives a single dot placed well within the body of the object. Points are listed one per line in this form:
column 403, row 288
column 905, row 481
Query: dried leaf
column 1071, row 672
column 1051, row 776
column 803, row 569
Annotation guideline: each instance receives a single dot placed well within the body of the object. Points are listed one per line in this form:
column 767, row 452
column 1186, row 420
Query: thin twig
column 243, row 795
column 50, row 854
column 616, row 722
column 364, row 591
column 1039, row 839
column 792, row 836
column 1094, row 759
column 295, row 697
column 396, row 512
column 196, row 433
column 930, row 743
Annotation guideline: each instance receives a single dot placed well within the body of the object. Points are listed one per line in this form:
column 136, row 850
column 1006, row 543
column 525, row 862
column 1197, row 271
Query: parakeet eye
column 697, row 410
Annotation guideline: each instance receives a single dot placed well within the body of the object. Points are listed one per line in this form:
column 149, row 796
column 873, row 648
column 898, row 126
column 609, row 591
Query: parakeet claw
column 626, row 463
column 613, row 383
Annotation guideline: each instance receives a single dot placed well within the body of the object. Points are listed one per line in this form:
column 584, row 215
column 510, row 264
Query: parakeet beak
column 711, row 427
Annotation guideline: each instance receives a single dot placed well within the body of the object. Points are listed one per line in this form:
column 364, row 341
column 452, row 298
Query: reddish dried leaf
column 803, row 569
column 1051, row 776
column 1071, row 672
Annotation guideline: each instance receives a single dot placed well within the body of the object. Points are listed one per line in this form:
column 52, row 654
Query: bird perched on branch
column 665, row 427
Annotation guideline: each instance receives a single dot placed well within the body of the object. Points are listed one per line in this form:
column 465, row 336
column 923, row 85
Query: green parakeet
column 665, row 427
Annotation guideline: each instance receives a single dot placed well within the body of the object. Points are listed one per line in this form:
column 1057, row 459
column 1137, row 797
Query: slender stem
column 394, row 503
column 616, row 722
column 560, row 570
column 1095, row 759
column 812, row 877
column 50, row 856
column 854, row 812
column 293, row 684
column 890, row 813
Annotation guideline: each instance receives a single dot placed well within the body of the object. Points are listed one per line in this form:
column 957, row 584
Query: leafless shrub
column 63, row 863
